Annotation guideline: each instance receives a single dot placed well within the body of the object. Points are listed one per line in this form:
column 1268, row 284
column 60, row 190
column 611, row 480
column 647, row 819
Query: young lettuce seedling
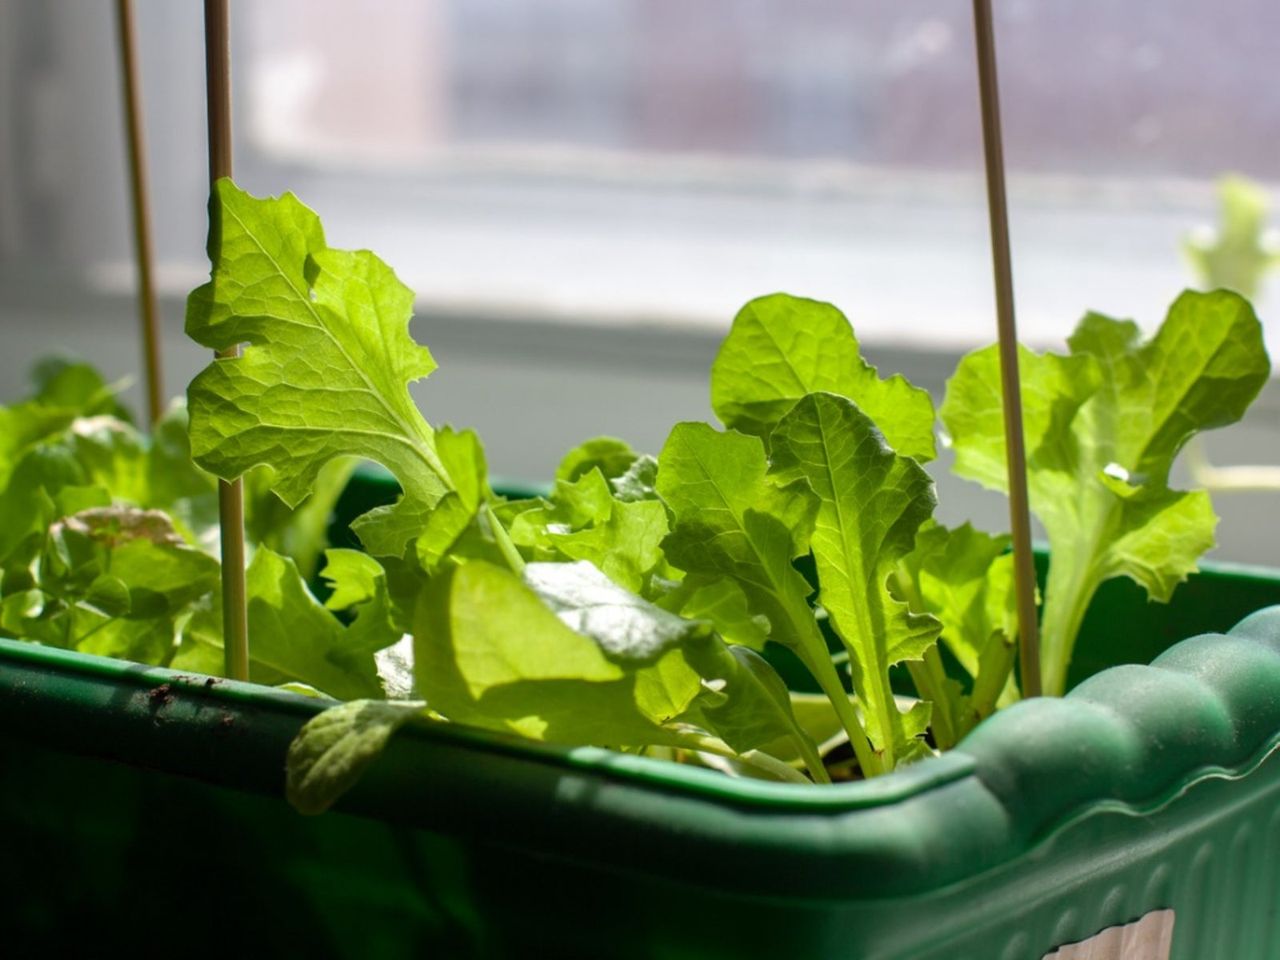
column 1103, row 425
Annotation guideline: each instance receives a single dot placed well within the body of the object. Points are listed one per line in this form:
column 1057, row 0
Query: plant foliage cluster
column 632, row 605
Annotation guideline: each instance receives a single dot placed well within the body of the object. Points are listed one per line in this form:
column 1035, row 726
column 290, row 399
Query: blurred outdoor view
column 662, row 160
column 659, row 162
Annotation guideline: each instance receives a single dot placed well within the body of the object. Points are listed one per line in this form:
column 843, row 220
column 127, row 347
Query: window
column 583, row 192
column 657, row 160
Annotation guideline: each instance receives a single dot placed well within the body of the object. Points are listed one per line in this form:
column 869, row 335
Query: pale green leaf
column 730, row 521
column 326, row 369
column 1235, row 255
column 292, row 636
column 781, row 348
column 1100, row 460
column 463, row 458
column 333, row 749
column 613, row 457
column 871, row 503
column 964, row 578
column 627, row 546
column 489, row 652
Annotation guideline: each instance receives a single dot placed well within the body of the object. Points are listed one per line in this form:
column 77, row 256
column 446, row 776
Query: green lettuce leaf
column 463, row 457
column 1103, row 428
column 871, row 503
column 611, row 456
column 134, row 560
column 110, row 580
column 489, row 652
column 333, row 749
column 729, row 521
column 782, row 348
column 568, row 656
column 723, row 604
column 300, row 532
column 964, row 578
column 571, row 506
column 326, row 369
column 747, row 705
column 627, row 546
column 293, row 637
column 65, row 391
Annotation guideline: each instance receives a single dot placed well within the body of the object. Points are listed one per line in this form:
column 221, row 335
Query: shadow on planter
column 142, row 814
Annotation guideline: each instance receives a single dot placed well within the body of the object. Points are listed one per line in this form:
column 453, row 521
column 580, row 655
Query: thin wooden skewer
column 998, row 213
column 143, row 250
column 235, row 625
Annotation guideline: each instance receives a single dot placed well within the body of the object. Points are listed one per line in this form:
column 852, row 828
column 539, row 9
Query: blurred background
column 583, row 192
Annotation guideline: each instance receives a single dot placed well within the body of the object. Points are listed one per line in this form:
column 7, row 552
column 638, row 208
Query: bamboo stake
column 235, row 627
column 998, row 213
column 143, row 250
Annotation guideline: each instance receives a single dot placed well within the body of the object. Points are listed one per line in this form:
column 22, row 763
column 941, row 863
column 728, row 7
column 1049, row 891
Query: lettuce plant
column 632, row 606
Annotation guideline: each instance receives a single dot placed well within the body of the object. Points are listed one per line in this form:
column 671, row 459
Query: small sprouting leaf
column 964, row 577
column 333, row 749
column 353, row 577
column 463, row 458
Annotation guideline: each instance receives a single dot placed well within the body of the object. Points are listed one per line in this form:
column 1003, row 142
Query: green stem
column 1067, row 595
column 752, row 758
column 885, row 705
column 990, row 684
column 812, row 759
column 930, row 678
column 503, row 539
column 824, row 672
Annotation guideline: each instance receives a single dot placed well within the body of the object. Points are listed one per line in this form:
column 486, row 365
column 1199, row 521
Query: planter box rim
column 1131, row 740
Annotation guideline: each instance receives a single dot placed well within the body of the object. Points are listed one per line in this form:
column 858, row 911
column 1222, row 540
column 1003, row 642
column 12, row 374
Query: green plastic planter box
column 143, row 815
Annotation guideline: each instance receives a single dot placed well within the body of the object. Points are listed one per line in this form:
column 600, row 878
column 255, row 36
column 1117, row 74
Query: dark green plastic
column 142, row 813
